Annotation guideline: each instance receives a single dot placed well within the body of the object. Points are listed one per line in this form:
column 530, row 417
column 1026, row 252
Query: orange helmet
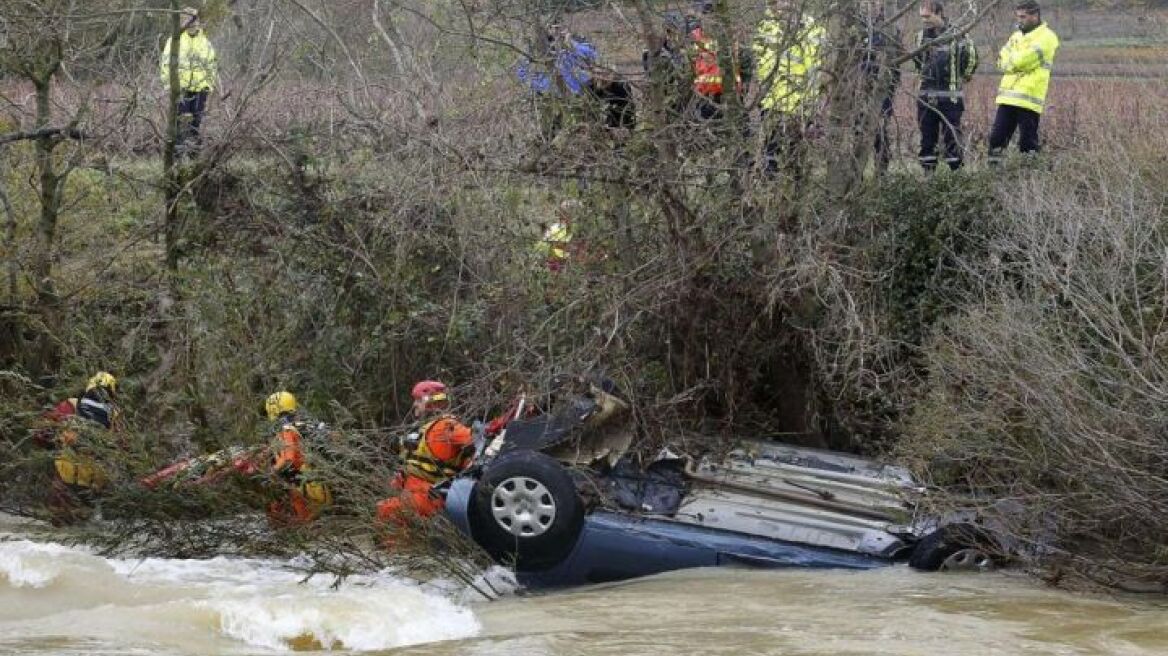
column 429, row 392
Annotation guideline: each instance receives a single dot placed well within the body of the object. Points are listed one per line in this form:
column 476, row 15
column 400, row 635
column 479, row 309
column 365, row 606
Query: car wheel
column 954, row 548
column 526, row 509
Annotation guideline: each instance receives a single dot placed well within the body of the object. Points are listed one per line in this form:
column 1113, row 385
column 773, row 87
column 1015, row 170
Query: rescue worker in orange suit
column 708, row 81
column 443, row 447
column 305, row 498
column 78, row 479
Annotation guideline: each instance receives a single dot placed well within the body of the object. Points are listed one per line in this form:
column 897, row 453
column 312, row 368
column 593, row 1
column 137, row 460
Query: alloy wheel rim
column 523, row 507
column 970, row 559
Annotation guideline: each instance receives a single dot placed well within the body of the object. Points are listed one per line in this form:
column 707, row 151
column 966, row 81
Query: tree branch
column 72, row 133
column 948, row 37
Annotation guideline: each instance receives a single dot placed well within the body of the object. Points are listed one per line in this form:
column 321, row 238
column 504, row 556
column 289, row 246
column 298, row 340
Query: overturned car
column 557, row 497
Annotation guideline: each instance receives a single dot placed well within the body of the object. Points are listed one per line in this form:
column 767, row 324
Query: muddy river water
column 56, row 599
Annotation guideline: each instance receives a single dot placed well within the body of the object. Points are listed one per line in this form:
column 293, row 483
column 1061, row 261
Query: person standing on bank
column 789, row 49
column 945, row 62
column 197, row 75
column 1025, row 62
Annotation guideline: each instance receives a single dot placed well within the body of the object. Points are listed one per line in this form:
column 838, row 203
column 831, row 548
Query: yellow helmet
column 103, row 379
column 279, row 403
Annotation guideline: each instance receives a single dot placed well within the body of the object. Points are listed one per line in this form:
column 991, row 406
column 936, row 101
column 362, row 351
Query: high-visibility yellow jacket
column 196, row 62
column 1026, row 61
column 555, row 242
column 788, row 64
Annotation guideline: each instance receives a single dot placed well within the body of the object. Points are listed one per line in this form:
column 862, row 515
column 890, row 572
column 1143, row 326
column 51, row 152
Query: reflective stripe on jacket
column 1026, row 61
column 945, row 67
column 707, row 75
column 445, row 448
column 788, row 64
column 196, row 63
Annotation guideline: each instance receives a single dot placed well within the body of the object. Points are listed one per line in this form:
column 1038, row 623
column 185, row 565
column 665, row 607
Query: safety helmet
column 429, row 392
column 279, row 403
column 103, row 380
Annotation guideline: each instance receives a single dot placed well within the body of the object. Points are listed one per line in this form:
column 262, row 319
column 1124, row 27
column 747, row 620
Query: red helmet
column 430, row 392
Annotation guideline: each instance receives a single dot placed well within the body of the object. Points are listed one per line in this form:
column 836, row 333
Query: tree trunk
column 48, row 352
column 12, row 266
column 849, row 106
column 172, row 183
column 49, row 196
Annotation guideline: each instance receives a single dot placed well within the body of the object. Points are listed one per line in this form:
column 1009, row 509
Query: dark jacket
column 96, row 406
column 945, row 67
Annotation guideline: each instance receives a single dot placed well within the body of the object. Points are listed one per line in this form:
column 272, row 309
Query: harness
column 422, row 463
column 315, row 491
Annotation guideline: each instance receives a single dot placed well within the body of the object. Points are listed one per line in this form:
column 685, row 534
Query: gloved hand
column 440, row 489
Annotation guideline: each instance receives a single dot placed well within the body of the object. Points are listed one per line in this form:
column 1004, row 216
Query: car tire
column 525, row 509
column 954, row 547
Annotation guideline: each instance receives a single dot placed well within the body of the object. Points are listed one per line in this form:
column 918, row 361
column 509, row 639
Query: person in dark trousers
column 946, row 61
column 1025, row 62
column 881, row 44
column 197, row 75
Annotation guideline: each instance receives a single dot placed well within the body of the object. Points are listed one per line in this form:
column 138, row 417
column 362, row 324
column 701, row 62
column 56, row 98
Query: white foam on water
column 205, row 606
column 357, row 618
column 27, row 564
column 211, row 573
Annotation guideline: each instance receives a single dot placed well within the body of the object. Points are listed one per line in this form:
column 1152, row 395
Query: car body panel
column 763, row 506
column 616, row 546
column 787, row 522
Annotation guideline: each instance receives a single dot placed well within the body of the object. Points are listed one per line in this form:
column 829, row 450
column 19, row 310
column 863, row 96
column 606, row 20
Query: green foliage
column 935, row 233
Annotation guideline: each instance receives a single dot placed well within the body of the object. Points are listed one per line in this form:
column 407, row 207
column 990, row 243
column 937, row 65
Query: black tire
column 526, row 509
column 935, row 550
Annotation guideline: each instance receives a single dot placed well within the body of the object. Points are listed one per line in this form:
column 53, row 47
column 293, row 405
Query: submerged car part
column 524, row 509
column 579, row 518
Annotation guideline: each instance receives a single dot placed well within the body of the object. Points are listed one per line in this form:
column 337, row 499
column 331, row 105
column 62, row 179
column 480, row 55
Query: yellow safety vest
column 789, row 64
column 555, row 241
column 1026, row 61
column 196, row 62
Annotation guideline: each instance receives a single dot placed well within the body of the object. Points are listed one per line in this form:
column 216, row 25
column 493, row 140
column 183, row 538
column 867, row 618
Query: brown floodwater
column 62, row 600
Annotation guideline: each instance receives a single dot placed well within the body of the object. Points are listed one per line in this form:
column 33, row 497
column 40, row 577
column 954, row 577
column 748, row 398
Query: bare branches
column 949, row 37
column 406, row 73
column 66, row 132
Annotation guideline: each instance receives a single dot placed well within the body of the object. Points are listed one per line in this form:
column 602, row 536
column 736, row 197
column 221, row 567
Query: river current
column 56, row 599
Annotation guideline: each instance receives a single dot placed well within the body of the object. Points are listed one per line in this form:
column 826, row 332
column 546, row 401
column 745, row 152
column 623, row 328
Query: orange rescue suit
column 444, row 449
column 707, row 74
column 305, row 499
